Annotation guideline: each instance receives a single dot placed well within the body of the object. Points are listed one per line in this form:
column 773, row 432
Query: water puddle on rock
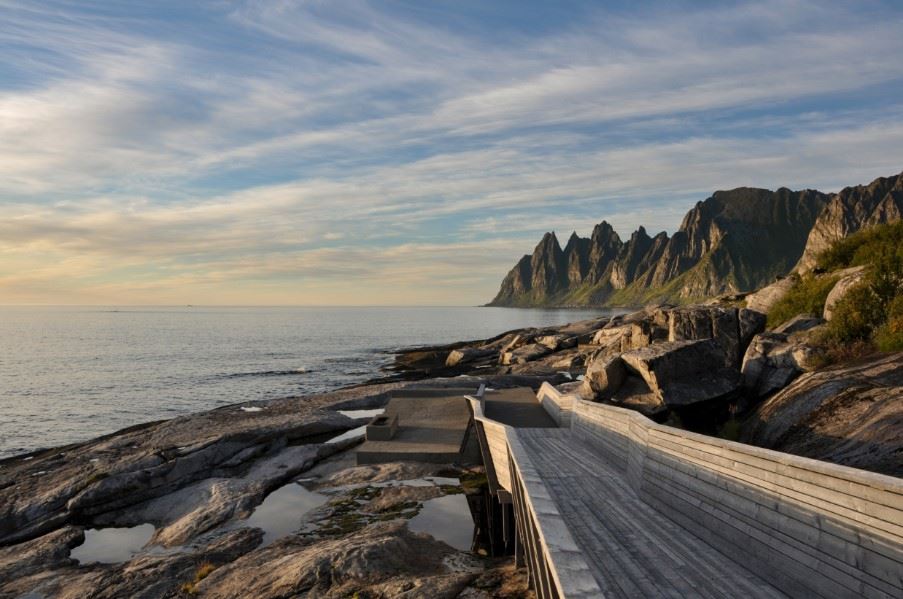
column 112, row 545
column 446, row 518
column 281, row 512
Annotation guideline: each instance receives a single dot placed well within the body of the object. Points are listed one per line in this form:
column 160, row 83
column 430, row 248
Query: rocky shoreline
column 197, row 478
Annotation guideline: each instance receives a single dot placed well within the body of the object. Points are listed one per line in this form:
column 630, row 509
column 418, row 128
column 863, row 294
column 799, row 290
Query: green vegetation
column 807, row 296
column 861, row 248
column 870, row 315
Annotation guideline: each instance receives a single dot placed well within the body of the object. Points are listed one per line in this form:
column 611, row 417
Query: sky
column 308, row 152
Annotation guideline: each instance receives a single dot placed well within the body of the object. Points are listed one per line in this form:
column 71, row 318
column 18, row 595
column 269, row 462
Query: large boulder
column 467, row 354
column 848, row 279
column 557, row 342
column 766, row 297
column 603, row 377
column 684, row 372
column 850, row 414
column 799, row 324
column 774, row 359
column 732, row 329
column 524, row 354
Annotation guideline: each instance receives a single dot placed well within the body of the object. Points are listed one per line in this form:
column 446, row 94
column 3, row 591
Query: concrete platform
column 431, row 428
column 517, row 407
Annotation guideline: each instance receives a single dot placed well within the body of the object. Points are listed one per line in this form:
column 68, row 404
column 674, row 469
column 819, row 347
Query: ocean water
column 68, row 374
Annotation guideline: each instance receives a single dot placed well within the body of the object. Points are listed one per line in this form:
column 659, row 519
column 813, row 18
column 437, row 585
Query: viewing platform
column 607, row 503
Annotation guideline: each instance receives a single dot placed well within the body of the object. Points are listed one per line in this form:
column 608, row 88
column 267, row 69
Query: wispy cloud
column 291, row 150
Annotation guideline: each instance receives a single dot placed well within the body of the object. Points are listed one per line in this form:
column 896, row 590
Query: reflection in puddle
column 447, row 519
column 280, row 513
column 353, row 433
column 112, row 545
column 362, row 413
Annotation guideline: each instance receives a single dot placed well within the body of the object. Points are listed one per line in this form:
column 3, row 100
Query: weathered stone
column 848, row 279
column 684, row 372
column 603, row 377
column 774, row 359
column 646, row 332
column 635, row 394
column 524, row 354
column 466, row 354
column 709, row 322
column 557, row 342
column 847, row 414
column 752, row 322
column 766, row 297
column 799, row 323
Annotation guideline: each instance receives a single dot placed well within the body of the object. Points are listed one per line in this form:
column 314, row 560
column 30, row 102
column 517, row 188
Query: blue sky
column 345, row 152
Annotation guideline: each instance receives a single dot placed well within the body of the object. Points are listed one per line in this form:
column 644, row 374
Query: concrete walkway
column 633, row 550
column 518, row 408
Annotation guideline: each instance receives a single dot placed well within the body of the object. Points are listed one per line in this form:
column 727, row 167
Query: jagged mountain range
column 737, row 240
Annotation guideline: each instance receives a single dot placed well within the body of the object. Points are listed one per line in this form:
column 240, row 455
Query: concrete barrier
column 810, row 528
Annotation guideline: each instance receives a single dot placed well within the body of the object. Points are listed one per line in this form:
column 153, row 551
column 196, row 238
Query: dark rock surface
column 848, row 414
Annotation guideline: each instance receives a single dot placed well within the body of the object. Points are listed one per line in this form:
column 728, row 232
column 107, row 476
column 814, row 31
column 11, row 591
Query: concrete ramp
column 432, row 424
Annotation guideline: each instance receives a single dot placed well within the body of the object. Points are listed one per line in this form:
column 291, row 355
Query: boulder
column 613, row 341
column 635, row 394
column 848, row 414
column 800, row 323
column 774, row 359
column 766, row 297
column 732, row 329
column 646, row 332
column 684, row 372
column 557, row 342
column 466, row 354
column 848, row 278
column 524, row 354
column 603, row 377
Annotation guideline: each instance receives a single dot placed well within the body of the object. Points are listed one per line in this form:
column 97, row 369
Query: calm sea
column 71, row 373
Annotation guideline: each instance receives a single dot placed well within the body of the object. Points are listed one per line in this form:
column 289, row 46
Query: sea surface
column 68, row 374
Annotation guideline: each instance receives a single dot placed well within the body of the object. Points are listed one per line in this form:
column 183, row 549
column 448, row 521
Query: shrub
column 857, row 315
column 862, row 247
column 807, row 296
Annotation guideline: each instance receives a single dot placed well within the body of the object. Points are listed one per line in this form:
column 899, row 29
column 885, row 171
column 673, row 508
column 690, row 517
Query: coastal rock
column 366, row 562
column 775, row 358
column 603, row 377
column 524, row 354
column 766, row 297
column 849, row 414
column 799, row 323
column 848, row 279
column 467, row 354
column 56, row 487
column 731, row 329
column 683, row 372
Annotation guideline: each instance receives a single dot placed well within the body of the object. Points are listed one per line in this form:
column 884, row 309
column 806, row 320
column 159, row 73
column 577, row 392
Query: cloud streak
column 273, row 151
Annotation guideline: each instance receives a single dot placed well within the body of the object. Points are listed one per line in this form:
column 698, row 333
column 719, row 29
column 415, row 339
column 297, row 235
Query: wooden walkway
column 634, row 550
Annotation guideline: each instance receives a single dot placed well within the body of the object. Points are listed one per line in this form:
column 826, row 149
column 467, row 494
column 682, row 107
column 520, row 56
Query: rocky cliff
column 851, row 209
column 737, row 240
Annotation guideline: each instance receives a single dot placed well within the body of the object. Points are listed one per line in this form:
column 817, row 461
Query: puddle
column 351, row 434
column 362, row 413
column 280, row 513
column 447, row 519
column 112, row 545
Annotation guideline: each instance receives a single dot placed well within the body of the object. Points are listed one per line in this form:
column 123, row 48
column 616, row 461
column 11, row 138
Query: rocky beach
column 196, row 479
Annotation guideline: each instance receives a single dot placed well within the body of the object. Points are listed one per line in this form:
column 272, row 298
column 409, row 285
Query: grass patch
column 807, row 296
column 203, row 571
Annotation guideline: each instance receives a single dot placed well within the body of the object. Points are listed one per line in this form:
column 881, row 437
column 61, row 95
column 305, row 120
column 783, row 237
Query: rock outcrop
column 850, row 210
column 849, row 277
column 848, row 414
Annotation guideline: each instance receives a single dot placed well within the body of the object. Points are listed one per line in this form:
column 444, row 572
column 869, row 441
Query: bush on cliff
column 807, row 296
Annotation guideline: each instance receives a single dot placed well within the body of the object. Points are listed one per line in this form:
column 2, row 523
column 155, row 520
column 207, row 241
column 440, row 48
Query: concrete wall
column 809, row 527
